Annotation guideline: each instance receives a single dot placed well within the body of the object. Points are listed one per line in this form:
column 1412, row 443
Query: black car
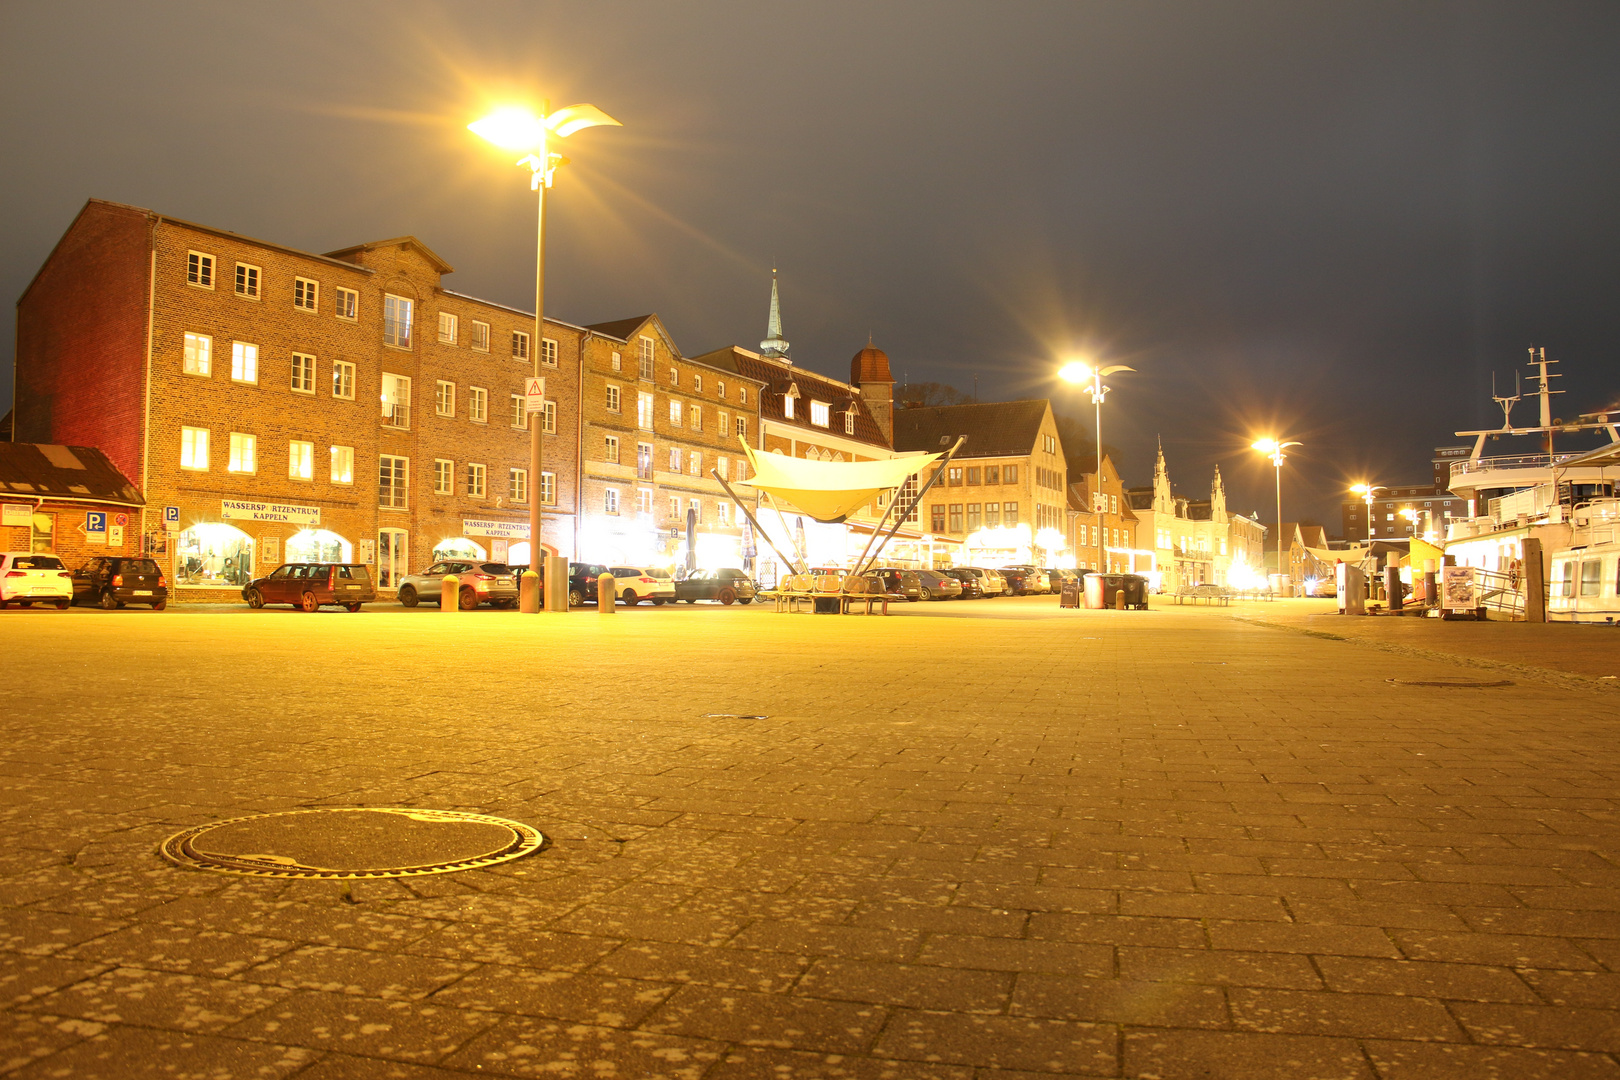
column 582, row 582
column 727, row 585
column 972, row 586
column 899, row 581
column 115, row 580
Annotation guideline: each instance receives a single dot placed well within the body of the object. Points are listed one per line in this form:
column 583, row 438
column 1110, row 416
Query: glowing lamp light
column 516, row 128
column 1075, row 371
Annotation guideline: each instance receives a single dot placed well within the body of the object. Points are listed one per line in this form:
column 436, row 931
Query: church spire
column 775, row 346
column 1163, row 500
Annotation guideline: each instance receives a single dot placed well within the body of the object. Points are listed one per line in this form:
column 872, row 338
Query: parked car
column 311, row 586
column 582, row 582
column 990, row 580
column 972, row 584
column 1021, row 580
column 636, row 584
column 492, row 583
column 899, row 581
column 27, row 579
column 938, row 585
column 115, row 580
column 727, row 585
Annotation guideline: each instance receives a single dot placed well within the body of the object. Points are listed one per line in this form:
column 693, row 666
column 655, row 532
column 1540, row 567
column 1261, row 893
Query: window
column 674, row 508
column 992, row 474
column 243, row 453
column 480, row 336
column 548, row 352
column 301, row 460
column 724, row 425
column 1113, row 504
column 392, row 475
column 396, row 401
column 644, row 464
column 447, row 328
column 548, row 418
column 644, row 411
column 694, row 464
column 956, row 517
column 721, row 466
column 199, row 270
column 1591, row 578
column 194, row 448
column 348, row 303
column 742, row 427
column 548, row 488
column 342, row 464
column 444, row 398
column 444, row 476
column 697, row 417
column 954, row 476
column 820, row 413
column 517, row 485
column 475, row 480
column 520, row 345
column 397, row 322
column 1049, row 443
column 1009, row 474
column 674, row 460
column 973, row 517
column 247, row 281
column 1009, row 514
column 306, row 294
column 645, row 358
column 612, row 399
column 520, row 412
column 617, row 362
column 787, row 406
column 477, row 404
column 849, row 422
column 742, row 395
column 610, row 449
column 696, row 507
column 674, row 376
column 199, row 355
column 675, row 414
column 973, row 476
column 992, row 515
column 610, row 500
column 42, row 532
column 644, row 501
column 936, row 518
column 722, row 513
column 303, row 373
column 342, row 379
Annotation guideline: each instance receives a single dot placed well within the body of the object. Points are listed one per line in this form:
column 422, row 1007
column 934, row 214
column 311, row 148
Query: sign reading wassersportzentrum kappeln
column 242, row 510
column 511, row 530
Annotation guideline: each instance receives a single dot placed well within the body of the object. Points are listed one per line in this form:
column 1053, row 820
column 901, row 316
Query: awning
column 829, row 491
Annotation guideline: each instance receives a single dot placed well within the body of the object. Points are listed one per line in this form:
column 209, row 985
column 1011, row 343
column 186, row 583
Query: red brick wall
column 81, row 339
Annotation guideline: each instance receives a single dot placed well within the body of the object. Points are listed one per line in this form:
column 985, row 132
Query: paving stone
column 1369, row 1016
column 915, row 985
column 132, row 1053
column 1563, row 1027
column 523, row 1046
column 1002, row 1042
column 1416, row 978
column 159, row 999
column 752, row 1063
column 400, row 1030
column 1219, row 967
column 769, row 1020
column 560, row 995
column 1241, row 1055
column 353, row 971
column 725, row 968
column 1440, row 1061
column 1120, row 1001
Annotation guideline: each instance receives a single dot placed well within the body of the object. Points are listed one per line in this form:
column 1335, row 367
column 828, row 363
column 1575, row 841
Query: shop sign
column 16, row 513
column 241, row 510
column 512, row 530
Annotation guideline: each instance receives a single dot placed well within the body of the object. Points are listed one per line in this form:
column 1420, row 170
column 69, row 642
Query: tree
column 921, row 395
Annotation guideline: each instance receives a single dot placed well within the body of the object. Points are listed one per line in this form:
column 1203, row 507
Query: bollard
column 449, row 592
column 607, row 594
column 555, row 592
column 529, row 592
column 1392, row 587
column 1119, row 600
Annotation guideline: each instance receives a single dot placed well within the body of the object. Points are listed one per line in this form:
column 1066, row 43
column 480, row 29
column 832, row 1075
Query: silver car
column 495, row 584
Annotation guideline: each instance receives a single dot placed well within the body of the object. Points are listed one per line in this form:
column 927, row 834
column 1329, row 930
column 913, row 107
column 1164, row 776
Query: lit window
column 444, row 398
column 480, row 336
column 694, row 465
column 475, row 481
column 697, row 383
column 644, row 411
column 675, row 414
column 301, row 460
column 720, row 467
column 194, row 448
column 612, row 399
column 243, row 453
column 444, row 476
column 644, row 459
column 645, row 359
column 722, row 513
column 303, row 373
column 610, row 449
column 674, row 508
column 477, row 404
column 723, row 424
column 397, row 321
column 742, row 394
column 447, row 328
column 247, row 281
column 820, row 413
column 697, row 418
column 199, row 270
column 548, row 418
column 517, row 485
column 548, row 488
column 617, row 362
column 393, row 475
column 520, row 345
column 548, row 352
column 849, row 422
column 674, row 376
column 342, row 464
column 306, row 294
column 696, row 508
column 348, row 303
column 520, row 415
column 199, row 355
column 343, row 379
column 720, row 388
column 610, row 500
column 644, row 497
column 787, row 406
column 674, row 459
column 742, row 427
column 396, row 401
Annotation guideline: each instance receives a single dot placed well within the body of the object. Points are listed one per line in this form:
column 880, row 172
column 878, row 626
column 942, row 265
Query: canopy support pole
column 744, row 508
column 860, row 563
column 917, row 501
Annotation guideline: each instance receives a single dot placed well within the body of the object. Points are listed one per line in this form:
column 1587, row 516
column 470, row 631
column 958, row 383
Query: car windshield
column 354, row 572
column 38, row 562
column 494, row 568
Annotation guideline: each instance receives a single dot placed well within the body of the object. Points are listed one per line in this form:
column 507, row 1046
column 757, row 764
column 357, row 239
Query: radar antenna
column 1506, row 403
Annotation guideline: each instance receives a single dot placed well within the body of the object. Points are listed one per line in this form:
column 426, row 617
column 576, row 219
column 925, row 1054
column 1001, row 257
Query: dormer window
column 849, row 422
column 820, row 413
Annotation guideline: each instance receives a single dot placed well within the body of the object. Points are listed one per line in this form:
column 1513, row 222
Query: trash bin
column 1102, row 590
column 1096, row 595
column 1135, row 589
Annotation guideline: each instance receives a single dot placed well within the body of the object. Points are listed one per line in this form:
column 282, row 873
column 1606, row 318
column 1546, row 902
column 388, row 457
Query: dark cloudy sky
column 1331, row 220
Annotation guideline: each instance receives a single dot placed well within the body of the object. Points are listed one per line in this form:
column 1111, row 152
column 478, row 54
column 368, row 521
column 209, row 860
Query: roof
column 620, row 328
column 399, row 241
column 75, row 473
column 779, row 376
column 993, row 429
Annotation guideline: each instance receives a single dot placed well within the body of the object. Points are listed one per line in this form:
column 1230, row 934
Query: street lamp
column 1274, row 448
column 1367, row 491
column 1079, row 372
column 519, row 129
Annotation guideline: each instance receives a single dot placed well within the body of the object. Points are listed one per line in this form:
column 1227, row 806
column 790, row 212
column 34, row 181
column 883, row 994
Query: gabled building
column 1104, row 525
column 53, row 498
column 1190, row 540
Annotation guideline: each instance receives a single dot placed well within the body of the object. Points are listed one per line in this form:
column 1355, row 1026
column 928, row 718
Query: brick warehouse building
column 294, row 405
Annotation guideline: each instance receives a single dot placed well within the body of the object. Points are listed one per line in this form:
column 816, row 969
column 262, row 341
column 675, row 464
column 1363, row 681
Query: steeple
column 1217, row 499
column 1163, row 501
column 775, row 346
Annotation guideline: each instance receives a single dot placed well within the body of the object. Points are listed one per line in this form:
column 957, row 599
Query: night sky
column 1331, row 221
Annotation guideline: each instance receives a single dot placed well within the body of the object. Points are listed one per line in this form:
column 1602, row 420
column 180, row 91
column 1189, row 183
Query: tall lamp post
column 1367, row 492
column 1080, row 372
column 1274, row 449
column 519, row 129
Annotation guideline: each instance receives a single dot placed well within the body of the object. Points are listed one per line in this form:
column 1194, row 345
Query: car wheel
column 25, row 603
column 308, row 602
column 254, row 598
column 407, row 595
column 108, row 601
column 630, row 598
column 658, row 601
column 745, row 599
column 160, row 605
column 352, row 607
column 576, row 598
column 726, row 597
column 691, row 599
column 924, row 593
column 62, row 605
column 467, row 600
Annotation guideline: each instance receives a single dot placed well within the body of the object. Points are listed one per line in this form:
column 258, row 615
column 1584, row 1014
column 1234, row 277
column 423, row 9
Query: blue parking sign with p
column 171, row 515
column 95, row 521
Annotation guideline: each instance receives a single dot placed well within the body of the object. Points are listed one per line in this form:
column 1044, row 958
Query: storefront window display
column 457, row 547
column 214, row 555
column 319, row 545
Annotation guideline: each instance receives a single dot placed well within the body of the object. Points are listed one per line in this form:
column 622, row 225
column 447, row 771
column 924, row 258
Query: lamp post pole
column 1080, row 372
column 1274, row 449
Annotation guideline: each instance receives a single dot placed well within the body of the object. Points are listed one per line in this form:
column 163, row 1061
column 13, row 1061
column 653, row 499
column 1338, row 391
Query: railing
column 395, row 415
column 1512, row 461
column 1500, row 592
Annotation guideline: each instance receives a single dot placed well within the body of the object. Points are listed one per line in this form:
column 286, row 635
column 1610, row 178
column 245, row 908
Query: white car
column 636, row 584
column 27, row 579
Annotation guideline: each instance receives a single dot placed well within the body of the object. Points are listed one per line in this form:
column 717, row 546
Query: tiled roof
column 993, row 429
column 620, row 328
column 777, row 377
column 63, row 472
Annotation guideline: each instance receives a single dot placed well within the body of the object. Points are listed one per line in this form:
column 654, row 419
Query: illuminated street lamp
column 1367, row 491
column 1274, row 449
column 1079, row 372
column 519, row 129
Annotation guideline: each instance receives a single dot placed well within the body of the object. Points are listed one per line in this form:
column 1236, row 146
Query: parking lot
column 983, row 840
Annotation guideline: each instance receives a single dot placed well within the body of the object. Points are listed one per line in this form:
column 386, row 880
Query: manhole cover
column 1452, row 683
column 358, row 842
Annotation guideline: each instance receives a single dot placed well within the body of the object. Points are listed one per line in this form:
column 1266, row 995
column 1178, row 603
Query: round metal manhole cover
column 352, row 842
column 1453, row 684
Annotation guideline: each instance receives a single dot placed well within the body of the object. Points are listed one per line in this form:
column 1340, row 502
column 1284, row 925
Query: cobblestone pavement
column 984, row 841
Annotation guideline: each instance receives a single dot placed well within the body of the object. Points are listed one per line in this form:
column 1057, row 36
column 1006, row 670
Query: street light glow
column 516, row 128
column 1075, row 371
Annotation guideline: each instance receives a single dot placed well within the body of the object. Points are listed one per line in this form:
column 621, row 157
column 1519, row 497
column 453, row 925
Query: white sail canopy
column 830, row 491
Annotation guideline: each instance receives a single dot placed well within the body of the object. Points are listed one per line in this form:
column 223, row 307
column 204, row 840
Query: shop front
column 501, row 540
